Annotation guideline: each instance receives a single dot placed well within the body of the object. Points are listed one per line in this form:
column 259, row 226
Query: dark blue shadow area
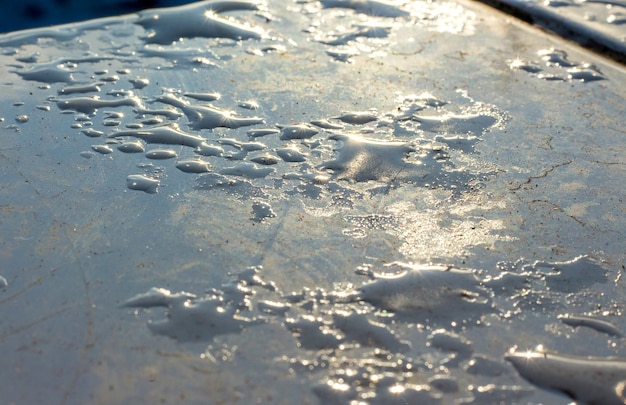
column 38, row 13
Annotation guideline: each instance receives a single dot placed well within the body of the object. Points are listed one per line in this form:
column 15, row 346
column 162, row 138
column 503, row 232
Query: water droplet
column 166, row 134
column 193, row 166
column 131, row 147
column 89, row 105
column 102, row 149
column 205, row 117
column 369, row 7
column 265, row 159
column 249, row 170
column 297, row 131
column 90, row 132
column 161, row 154
column 166, row 25
column 586, row 380
column 261, row 211
column 259, row 132
column 358, row 117
column 203, row 96
column 291, row 154
column 142, row 183
column 83, row 88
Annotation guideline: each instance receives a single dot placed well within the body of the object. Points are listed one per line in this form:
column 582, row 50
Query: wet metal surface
column 310, row 202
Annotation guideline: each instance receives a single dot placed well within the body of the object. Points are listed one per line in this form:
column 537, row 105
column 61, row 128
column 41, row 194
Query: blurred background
column 23, row 14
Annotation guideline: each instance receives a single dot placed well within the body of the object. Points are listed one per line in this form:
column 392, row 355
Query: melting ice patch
column 142, row 183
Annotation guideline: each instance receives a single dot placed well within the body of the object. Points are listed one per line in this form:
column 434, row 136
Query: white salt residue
column 586, row 380
column 142, row 183
column 166, row 25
